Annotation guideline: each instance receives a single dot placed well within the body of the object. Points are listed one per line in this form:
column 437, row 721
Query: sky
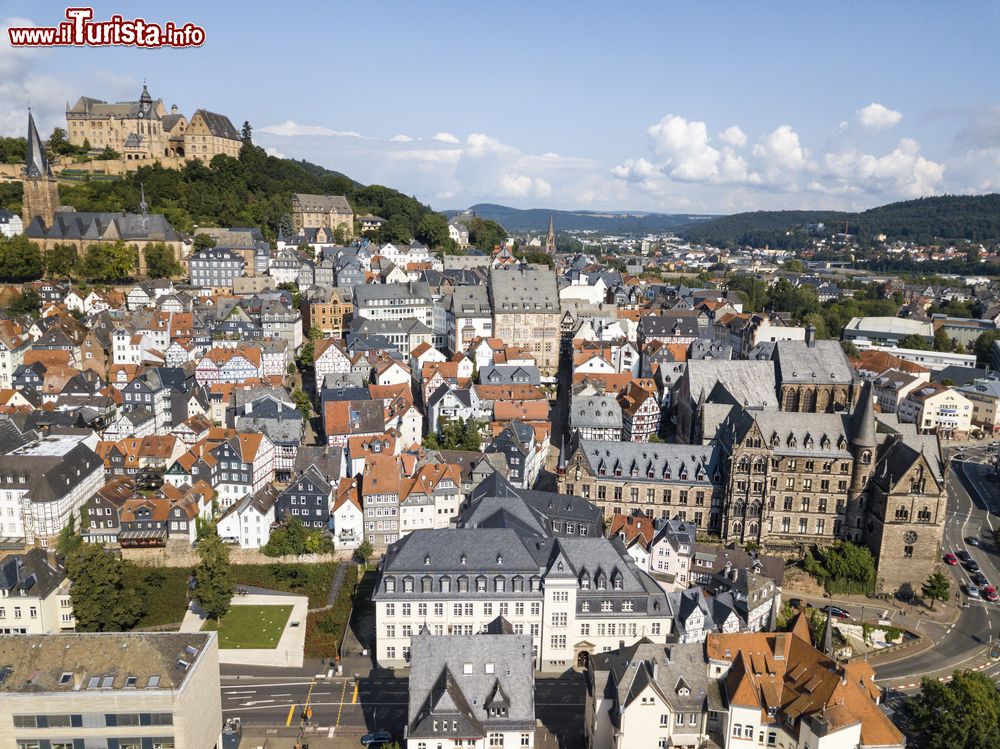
column 677, row 107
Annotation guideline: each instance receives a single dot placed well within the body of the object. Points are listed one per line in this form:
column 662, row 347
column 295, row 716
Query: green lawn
column 251, row 626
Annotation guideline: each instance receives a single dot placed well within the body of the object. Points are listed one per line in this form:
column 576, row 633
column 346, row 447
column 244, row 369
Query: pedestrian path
column 335, row 586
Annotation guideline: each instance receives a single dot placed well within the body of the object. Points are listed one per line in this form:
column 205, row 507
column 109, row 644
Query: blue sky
column 668, row 106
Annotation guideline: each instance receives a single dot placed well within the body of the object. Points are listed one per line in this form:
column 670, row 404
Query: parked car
column 972, row 566
column 950, row 559
column 964, row 555
column 980, row 579
column 972, row 541
column 972, row 591
column 990, row 593
column 376, row 738
column 836, row 611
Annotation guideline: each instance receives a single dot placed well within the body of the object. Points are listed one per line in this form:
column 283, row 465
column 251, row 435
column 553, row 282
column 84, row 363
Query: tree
column 69, row 540
column 108, row 154
column 102, row 600
column 984, row 345
column 246, row 133
column 433, row 230
column 62, row 261
column 114, row 262
column 292, row 537
column 28, row 302
column 58, row 143
column 961, row 714
column 942, row 341
column 302, row 402
column 486, row 234
column 160, row 261
column 364, row 552
column 213, row 577
column 794, row 266
column 914, row 341
column 937, row 587
column 203, row 242
column 396, row 230
column 850, row 349
column 20, row 259
column 340, row 235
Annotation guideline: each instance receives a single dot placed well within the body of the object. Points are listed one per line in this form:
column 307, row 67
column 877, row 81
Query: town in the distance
column 289, row 460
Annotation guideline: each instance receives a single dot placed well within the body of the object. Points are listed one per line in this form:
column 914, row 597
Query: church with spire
column 550, row 238
column 41, row 191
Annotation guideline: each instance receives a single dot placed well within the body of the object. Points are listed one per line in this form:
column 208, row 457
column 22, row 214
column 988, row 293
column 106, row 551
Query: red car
column 951, row 559
column 990, row 593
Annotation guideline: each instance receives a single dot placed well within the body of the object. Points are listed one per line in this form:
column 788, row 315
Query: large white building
column 574, row 595
column 131, row 690
column 34, row 595
column 395, row 302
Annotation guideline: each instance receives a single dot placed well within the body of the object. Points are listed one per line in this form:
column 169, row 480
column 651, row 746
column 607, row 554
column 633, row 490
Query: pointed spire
column 38, row 164
column 828, row 635
column 550, row 237
column 561, row 465
column 863, row 426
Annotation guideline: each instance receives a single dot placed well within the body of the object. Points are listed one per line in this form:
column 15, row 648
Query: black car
column 971, row 566
column 964, row 556
column 980, row 579
column 376, row 738
column 836, row 611
column 972, row 541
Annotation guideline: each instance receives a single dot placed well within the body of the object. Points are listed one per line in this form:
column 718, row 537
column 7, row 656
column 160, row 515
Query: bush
column 844, row 568
column 325, row 629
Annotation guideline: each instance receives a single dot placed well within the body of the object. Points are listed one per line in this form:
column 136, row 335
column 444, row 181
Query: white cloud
column 779, row 158
column 877, row 117
column 903, row 171
column 290, row 128
column 272, row 151
column 684, row 146
column 446, row 138
column 401, row 138
column 733, row 136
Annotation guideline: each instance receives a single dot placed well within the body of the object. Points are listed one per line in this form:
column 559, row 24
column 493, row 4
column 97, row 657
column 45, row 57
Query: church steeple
column 38, row 164
column 550, row 238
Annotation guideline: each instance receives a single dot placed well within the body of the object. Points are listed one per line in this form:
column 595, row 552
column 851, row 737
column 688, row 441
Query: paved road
column 345, row 706
column 966, row 644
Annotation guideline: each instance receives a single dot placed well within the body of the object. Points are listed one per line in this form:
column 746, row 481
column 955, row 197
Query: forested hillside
column 925, row 220
column 254, row 190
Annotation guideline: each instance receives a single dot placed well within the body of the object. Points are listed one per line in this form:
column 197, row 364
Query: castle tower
column 550, row 238
column 863, row 446
column 41, row 191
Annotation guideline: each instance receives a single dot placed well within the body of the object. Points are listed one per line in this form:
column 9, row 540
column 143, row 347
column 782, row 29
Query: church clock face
column 910, row 537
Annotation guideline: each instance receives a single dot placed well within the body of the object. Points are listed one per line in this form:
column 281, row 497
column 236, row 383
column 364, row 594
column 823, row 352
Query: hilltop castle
column 144, row 130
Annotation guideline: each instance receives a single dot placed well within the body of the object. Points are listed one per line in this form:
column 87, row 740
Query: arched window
column 866, row 457
column 737, row 528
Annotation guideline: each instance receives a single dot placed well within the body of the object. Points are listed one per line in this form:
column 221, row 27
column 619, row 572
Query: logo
column 80, row 30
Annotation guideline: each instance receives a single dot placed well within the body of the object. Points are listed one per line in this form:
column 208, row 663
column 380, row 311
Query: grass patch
column 250, row 626
column 325, row 629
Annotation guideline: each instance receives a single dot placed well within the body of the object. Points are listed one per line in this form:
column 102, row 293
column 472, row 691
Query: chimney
column 810, row 336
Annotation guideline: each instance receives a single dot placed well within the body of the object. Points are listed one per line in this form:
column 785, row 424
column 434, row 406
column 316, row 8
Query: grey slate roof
column 30, row 574
column 825, row 362
column 638, row 460
column 218, row 124
column 531, row 289
column 749, row 382
column 595, row 411
column 85, row 225
column 460, row 677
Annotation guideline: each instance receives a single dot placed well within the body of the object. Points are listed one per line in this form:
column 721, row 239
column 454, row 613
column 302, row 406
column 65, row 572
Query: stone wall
column 185, row 555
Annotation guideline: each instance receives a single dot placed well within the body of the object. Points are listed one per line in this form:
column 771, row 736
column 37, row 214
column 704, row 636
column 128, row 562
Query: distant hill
column 948, row 217
column 612, row 222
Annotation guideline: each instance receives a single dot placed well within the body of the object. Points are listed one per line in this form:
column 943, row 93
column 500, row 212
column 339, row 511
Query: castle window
column 907, row 551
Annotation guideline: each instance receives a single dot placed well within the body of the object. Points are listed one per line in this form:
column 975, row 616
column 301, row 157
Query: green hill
column 254, row 190
column 950, row 217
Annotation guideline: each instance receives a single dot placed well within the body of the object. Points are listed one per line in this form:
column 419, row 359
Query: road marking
column 354, row 697
column 291, row 711
column 343, row 693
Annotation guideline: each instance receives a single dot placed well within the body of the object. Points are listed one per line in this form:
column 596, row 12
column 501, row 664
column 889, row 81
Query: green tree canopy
column 160, row 261
column 28, row 302
column 62, row 261
column 203, row 241
column 213, row 577
column 961, row 714
column 915, row 342
column 433, row 230
column 984, row 345
column 13, row 150
column 102, row 601
column 113, row 263
column 486, row 234
column 937, row 587
column 20, row 259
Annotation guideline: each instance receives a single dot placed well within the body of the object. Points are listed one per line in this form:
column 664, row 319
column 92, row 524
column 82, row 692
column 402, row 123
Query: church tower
column 863, row 448
column 41, row 191
column 550, row 238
